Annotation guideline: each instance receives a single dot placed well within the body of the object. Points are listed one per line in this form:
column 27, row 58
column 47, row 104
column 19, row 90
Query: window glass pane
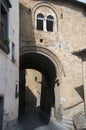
column 40, row 19
column 50, row 26
column 40, row 16
column 39, row 24
column 50, row 20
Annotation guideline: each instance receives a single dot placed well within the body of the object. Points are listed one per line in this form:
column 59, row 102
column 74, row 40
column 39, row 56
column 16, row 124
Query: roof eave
column 80, row 53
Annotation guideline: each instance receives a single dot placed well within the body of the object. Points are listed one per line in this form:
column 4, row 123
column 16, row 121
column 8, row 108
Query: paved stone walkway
column 35, row 119
column 80, row 121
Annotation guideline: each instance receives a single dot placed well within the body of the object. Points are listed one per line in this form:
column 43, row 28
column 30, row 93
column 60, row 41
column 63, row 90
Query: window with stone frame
column 45, row 24
column 4, row 8
column 40, row 20
column 49, row 24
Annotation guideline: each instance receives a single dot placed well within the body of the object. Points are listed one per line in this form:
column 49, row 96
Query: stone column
column 84, row 80
column 57, row 101
column 44, row 24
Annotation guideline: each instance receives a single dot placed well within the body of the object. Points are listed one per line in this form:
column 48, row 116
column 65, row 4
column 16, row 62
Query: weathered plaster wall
column 14, row 29
column 9, row 71
column 8, row 81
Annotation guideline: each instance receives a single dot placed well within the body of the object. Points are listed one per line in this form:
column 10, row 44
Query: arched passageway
column 44, row 61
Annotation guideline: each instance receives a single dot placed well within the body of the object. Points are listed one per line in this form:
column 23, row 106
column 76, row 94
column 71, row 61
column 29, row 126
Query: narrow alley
column 35, row 119
column 42, row 65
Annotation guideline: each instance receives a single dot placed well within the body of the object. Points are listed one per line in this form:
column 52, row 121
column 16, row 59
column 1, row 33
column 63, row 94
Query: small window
column 3, row 22
column 35, row 78
column 13, row 52
column 4, row 9
column 41, row 40
column 40, row 19
column 50, row 20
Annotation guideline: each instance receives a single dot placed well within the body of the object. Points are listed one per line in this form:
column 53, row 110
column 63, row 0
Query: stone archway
column 49, row 65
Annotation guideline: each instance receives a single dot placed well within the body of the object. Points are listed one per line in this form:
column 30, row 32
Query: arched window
column 40, row 19
column 50, row 21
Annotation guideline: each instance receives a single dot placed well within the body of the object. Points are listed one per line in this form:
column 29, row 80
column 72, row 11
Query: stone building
column 80, row 118
column 9, row 62
column 50, row 31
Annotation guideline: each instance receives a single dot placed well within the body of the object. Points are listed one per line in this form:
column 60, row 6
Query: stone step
column 80, row 121
column 68, row 123
column 69, row 127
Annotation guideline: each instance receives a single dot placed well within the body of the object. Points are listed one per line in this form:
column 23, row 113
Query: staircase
column 80, row 121
column 68, row 123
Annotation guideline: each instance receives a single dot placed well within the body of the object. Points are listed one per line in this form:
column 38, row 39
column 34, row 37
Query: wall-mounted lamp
column 61, row 16
column 57, row 81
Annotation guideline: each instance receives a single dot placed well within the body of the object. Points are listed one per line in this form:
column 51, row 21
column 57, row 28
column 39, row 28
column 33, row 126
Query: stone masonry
column 69, row 34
